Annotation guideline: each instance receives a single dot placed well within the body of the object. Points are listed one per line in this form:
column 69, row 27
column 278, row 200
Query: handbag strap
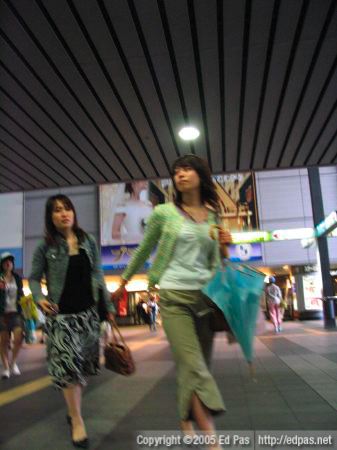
column 115, row 331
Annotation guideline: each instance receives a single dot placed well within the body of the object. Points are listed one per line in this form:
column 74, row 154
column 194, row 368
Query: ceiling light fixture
column 189, row 133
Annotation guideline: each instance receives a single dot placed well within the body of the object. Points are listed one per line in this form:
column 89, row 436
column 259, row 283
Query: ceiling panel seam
column 49, row 152
column 313, row 62
column 34, row 153
column 91, row 89
column 221, row 61
column 323, row 127
column 109, row 80
column 320, row 97
column 269, row 53
column 142, row 40
column 131, row 77
column 327, row 148
column 51, row 118
column 244, row 64
column 197, row 63
column 24, row 159
column 155, row 80
column 23, row 175
column 173, row 59
column 15, row 183
column 50, row 137
column 293, row 51
column 56, row 100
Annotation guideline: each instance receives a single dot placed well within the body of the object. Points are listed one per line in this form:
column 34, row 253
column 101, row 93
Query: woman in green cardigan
column 185, row 260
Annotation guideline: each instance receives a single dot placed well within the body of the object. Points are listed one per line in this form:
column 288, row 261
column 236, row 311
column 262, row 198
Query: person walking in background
column 152, row 309
column 68, row 257
column 11, row 320
column 274, row 298
column 186, row 260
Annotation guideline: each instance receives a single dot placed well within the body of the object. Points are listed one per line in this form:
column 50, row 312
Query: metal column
column 322, row 244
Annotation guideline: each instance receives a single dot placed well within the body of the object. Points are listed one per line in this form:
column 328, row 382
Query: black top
column 77, row 292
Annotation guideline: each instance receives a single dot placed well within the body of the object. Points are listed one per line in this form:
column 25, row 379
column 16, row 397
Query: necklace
column 197, row 215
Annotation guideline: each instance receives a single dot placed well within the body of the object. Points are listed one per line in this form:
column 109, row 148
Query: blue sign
column 245, row 252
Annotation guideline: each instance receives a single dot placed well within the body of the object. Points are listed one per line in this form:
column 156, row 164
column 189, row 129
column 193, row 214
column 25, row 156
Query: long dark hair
column 51, row 233
column 208, row 191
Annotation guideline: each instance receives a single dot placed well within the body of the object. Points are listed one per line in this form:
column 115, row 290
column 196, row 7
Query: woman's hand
column 225, row 237
column 118, row 293
column 51, row 309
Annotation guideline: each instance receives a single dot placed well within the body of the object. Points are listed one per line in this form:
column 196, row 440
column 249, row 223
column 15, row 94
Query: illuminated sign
column 250, row 237
column 328, row 224
column 295, row 233
column 275, row 235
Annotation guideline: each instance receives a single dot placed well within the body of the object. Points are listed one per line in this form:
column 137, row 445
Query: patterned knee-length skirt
column 73, row 347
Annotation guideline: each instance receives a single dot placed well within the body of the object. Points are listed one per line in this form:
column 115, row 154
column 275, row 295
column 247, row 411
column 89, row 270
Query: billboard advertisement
column 125, row 208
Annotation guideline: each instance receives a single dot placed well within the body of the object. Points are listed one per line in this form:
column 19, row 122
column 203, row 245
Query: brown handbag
column 118, row 357
column 218, row 320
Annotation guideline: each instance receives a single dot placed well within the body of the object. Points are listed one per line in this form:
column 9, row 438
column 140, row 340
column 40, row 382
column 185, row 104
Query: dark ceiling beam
column 36, row 123
column 270, row 48
column 56, row 100
column 31, row 151
column 319, row 100
column 27, row 165
column 174, row 64
column 222, row 96
column 244, row 64
column 149, row 62
column 13, row 169
column 51, row 118
column 320, row 134
column 39, row 143
column 293, row 51
column 328, row 19
column 197, row 63
column 73, row 93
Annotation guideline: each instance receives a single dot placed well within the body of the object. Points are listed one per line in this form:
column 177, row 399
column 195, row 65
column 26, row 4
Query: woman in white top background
column 11, row 320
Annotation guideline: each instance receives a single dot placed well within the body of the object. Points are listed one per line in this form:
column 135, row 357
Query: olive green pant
column 185, row 316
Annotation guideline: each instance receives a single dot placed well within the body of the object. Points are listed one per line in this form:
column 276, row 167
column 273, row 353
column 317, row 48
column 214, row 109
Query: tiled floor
column 295, row 389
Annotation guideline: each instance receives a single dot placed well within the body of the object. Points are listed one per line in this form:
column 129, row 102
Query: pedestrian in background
column 185, row 261
column 11, row 320
column 68, row 258
column 274, row 298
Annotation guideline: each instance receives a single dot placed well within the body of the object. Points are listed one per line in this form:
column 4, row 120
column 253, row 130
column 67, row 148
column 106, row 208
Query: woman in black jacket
column 11, row 320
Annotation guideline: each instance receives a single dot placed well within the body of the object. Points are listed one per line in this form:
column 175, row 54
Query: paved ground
column 296, row 389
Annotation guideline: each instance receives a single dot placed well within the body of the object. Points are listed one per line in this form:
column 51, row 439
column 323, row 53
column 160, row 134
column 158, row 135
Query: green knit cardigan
column 162, row 229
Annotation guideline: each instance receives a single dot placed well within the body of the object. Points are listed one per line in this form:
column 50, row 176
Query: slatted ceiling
column 133, row 109
column 96, row 91
column 305, row 61
column 206, row 16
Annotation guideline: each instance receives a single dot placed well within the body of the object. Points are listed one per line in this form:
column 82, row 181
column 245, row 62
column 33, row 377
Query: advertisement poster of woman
column 124, row 209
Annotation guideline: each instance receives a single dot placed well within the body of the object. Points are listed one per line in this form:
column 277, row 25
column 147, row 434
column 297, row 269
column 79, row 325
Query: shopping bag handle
column 115, row 331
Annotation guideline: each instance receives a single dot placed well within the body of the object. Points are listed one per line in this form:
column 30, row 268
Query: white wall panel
column 284, row 202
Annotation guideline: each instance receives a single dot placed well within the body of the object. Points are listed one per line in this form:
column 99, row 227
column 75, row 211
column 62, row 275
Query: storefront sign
column 294, row 233
column 327, row 225
column 312, row 290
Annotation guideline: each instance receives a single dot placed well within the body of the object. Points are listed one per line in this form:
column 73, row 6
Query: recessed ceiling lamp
column 189, row 133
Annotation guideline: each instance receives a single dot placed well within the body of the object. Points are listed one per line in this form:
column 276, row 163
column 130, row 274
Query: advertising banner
column 312, row 290
column 125, row 208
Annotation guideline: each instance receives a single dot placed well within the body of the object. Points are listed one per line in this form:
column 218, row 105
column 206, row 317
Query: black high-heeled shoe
column 83, row 443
